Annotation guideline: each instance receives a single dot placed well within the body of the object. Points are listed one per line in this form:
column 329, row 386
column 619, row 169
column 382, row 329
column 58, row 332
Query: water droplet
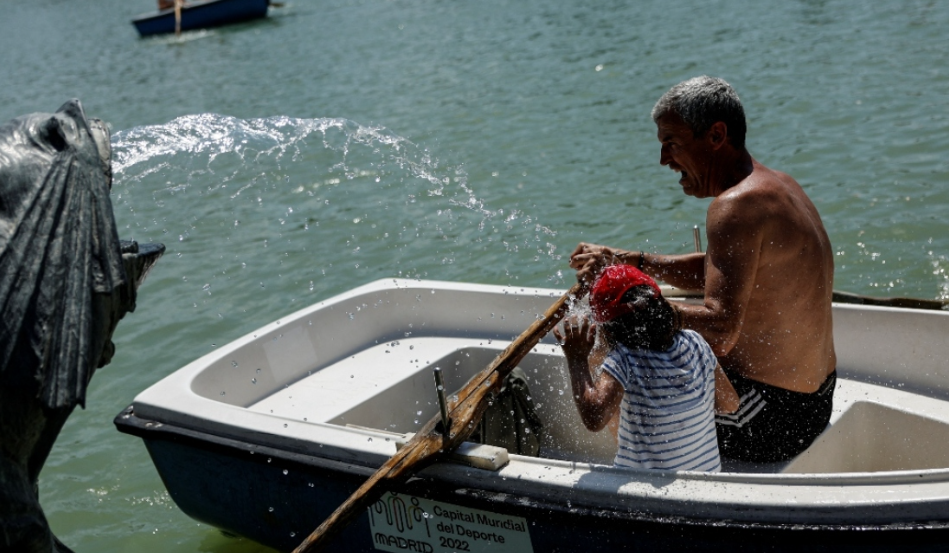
column 233, row 363
column 253, row 381
column 270, row 509
column 285, row 472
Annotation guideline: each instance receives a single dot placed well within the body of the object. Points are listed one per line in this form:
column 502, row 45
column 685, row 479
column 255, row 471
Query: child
column 664, row 381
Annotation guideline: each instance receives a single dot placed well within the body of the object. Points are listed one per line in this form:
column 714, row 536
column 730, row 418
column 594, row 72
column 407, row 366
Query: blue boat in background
column 201, row 14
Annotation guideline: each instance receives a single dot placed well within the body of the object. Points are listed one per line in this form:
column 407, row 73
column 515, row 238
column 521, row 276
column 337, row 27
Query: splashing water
column 258, row 214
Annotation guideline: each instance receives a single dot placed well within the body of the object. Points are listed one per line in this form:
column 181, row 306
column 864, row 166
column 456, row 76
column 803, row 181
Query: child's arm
column 726, row 398
column 597, row 401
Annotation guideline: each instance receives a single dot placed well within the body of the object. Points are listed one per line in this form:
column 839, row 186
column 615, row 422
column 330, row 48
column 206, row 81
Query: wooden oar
column 430, row 444
column 911, row 303
column 848, row 297
column 178, row 17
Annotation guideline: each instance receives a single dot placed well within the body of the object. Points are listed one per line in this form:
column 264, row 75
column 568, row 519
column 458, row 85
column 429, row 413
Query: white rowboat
column 266, row 436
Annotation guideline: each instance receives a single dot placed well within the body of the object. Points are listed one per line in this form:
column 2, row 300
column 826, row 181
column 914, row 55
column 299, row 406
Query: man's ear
column 717, row 134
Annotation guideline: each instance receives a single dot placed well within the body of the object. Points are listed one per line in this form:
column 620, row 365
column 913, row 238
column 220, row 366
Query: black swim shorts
column 773, row 424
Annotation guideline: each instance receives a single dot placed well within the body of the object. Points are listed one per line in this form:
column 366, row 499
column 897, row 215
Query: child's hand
column 577, row 338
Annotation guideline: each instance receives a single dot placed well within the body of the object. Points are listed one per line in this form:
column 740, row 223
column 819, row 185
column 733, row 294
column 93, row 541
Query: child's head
column 628, row 306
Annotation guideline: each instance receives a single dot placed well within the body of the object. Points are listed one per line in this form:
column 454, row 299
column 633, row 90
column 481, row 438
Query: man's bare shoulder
column 763, row 193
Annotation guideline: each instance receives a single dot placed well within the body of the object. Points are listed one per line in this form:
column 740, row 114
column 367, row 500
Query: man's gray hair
column 702, row 101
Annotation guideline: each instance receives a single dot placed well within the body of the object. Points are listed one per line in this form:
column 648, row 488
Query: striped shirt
column 667, row 418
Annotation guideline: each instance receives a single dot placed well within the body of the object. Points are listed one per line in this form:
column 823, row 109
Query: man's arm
column 686, row 272
column 735, row 229
column 735, row 226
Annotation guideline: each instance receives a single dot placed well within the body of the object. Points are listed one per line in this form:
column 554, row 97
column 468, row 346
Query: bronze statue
column 65, row 281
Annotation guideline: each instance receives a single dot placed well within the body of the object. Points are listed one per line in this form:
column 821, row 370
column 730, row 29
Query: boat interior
column 891, row 406
column 870, row 431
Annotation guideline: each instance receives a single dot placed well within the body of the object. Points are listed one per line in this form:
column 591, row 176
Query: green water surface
column 337, row 142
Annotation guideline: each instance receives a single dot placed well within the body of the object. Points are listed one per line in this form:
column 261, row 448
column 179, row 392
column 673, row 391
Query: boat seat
column 362, row 380
column 872, row 428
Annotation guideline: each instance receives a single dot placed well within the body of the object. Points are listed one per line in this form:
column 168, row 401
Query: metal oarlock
column 697, row 236
column 442, row 402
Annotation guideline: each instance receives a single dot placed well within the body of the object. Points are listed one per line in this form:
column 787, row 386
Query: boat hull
column 277, row 497
column 201, row 15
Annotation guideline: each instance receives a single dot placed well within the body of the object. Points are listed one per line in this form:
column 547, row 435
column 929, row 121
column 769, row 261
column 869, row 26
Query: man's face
column 686, row 154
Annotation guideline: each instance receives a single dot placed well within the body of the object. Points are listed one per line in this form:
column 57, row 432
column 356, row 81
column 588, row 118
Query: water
column 290, row 159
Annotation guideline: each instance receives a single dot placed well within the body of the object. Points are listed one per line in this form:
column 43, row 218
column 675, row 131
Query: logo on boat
column 400, row 522
column 399, row 515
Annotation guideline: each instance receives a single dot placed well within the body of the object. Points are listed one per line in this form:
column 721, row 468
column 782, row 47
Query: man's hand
column 577, row 338
column 590, row 259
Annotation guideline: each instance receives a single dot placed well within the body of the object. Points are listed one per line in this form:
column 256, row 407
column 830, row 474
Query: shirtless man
column 767, row 276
